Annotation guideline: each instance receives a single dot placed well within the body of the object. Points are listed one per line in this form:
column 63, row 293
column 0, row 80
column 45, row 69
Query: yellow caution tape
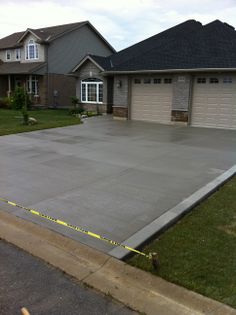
column 76, row 228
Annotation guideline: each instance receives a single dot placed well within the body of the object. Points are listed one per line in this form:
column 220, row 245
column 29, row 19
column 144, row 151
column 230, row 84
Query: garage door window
column 157, row 81
column 137, row 81
column 227, row 80
column 201, row 80
column 92, row 91
column 147, row 81
column 214, row 80
column 167, row 80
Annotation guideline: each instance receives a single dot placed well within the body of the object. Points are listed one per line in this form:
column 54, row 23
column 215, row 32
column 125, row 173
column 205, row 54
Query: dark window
column 147, row 81
column 157, row 81
column 137, row 81
column 214, row 80
column 167, row 80
column 201, row 80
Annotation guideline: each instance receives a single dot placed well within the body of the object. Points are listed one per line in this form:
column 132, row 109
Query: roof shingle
column 189, row 45
column 45, row 34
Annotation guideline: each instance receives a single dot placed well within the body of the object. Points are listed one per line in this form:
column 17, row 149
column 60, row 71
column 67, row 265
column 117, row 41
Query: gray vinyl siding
column 121, row 94
column 66, row 52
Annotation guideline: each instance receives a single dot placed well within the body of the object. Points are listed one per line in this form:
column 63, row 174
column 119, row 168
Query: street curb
column 170, row 217
column 135, row 288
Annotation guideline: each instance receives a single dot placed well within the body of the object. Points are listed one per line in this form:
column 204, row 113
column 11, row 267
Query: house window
column 8, row 55
column 32, row 50
column 157, row 81
column 33, row 85
column 147, row 81
column 137, row 81
column 214, row 80
column 227, row 80
column 167, row 80
column 17, row 54
column 201, row 80
column 92, row 91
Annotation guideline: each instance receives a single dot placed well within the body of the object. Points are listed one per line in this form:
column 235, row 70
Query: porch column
column 30, row 84
column 9, row 86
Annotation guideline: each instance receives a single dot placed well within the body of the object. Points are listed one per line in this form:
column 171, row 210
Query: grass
column 11, row 121
column 199, row 252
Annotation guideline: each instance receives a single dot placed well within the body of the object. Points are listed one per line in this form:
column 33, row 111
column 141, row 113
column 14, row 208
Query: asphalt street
column 26, row 281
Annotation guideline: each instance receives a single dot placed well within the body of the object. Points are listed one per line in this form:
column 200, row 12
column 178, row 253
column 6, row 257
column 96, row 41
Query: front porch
column 33, row 84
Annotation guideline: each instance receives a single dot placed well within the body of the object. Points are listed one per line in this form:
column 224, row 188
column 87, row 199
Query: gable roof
column 189, row 45
column 47, row 34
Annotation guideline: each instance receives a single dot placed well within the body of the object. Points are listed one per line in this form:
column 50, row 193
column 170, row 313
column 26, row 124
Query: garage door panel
column 151, row 102
column 214, row 105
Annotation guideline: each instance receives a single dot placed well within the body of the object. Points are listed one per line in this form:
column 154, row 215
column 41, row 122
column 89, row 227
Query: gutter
column 171, row 71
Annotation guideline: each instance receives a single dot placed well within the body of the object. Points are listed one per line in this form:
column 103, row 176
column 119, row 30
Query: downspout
column 47, row 74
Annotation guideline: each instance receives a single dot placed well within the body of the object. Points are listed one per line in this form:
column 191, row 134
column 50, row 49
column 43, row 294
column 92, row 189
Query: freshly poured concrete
column 110, row 177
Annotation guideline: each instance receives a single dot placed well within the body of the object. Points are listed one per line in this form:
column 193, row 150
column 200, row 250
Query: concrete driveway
column 110, row 177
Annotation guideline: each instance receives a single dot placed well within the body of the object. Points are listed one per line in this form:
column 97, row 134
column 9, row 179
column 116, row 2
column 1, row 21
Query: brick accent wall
column 179, row 116
column 65, row 86
column 3, row 86
column 120, row 112
column 101, row 108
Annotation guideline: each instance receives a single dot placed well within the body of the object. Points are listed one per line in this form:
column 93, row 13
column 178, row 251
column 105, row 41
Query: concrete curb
column 173, row 215
column 133, row 287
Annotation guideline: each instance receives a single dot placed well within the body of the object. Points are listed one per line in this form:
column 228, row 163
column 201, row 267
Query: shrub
column 74, row 101
column 20, row 99
column 76, row 111
column 5, row 102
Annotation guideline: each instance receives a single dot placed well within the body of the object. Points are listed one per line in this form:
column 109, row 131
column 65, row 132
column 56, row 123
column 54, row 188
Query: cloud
column 122, row 22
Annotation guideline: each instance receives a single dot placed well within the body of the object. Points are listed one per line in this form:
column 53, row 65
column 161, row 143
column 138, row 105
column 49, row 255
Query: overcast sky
column 121, row 22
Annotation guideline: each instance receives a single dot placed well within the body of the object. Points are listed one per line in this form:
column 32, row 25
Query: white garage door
column 214, row 101
column 151, row 99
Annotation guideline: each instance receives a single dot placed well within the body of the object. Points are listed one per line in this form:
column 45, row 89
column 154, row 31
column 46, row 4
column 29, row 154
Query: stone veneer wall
column 89, row 70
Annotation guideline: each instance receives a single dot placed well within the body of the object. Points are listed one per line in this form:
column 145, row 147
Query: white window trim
column 32, row 43
column 10, row 53
column 30, row 80
column 86, row 83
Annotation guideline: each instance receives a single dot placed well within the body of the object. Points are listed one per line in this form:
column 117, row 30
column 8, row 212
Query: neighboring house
column 186, row 74
column 40, row 60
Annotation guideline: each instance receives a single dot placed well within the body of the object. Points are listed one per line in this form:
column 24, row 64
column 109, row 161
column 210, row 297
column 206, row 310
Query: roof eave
column 170, row 70
column 83, row 61
column 100, row 35
column 52, row 38
column 26, row 32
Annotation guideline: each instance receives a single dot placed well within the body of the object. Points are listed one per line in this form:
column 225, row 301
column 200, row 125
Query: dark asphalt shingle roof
column 189, row 45
column 20, row 68
column 45, row 34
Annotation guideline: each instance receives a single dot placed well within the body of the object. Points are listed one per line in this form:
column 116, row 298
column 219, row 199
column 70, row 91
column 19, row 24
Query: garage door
column 214, row 101
column 151, row 99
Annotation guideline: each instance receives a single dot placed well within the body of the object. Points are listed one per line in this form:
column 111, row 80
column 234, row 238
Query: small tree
column 21, row 101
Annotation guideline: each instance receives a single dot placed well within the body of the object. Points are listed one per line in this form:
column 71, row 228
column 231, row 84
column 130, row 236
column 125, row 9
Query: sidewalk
column 137, row 289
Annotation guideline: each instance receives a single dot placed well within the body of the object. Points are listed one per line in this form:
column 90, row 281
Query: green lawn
column 10, row 121
column 199, row 252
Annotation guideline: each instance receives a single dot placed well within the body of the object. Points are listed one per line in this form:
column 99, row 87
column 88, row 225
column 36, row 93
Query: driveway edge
column 135, row 288
column 173, row 215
